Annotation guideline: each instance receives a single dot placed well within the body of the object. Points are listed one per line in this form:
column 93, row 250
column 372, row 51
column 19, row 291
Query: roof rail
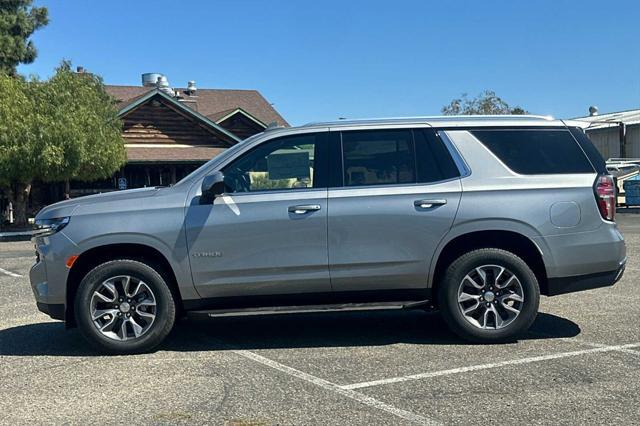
column 435, row 118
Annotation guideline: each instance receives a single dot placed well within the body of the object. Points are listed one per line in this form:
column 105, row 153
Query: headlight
column 46, row 227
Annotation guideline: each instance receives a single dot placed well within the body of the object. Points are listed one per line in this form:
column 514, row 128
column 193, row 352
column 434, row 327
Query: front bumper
column 48, row 276
column 55, row 311
column 40, row 287
column 563, row 285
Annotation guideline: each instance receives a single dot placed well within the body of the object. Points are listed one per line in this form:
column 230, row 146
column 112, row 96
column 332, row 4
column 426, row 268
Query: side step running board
column 270, row 310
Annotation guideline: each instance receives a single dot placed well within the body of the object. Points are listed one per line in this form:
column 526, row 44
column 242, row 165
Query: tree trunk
column 19, row 195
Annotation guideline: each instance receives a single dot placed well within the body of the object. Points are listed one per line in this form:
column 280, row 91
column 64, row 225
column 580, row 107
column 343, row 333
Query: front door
column 268, row 234
column 396, row 198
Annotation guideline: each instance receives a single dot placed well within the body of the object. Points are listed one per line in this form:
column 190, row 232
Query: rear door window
column 433, row 159
column 378, row 157
column 391, row 157
column 536, row 151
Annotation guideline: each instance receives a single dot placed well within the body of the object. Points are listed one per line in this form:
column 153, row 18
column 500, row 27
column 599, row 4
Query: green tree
column 486, row 103
column 18, row 21
column 56, row 130
column 17, row 140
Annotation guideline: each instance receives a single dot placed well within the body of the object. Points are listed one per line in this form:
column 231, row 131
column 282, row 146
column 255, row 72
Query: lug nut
column 128, row 315
column 488, row 304
column 119, row 314
column 121, row 299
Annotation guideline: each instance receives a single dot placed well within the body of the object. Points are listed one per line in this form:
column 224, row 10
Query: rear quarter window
column 535, row 152
column 589, row 148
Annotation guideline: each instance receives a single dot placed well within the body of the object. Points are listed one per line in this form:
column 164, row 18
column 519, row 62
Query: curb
column 628, row 210
column 15, row 236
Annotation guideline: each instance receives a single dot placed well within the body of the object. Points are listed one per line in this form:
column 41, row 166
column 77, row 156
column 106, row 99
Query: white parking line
column 487, row 366
column 11, row 274
column 584, row 342
column 601, row 345
column 357, row 396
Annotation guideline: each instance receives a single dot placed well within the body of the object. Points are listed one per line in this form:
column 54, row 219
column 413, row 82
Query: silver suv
column 474, row 216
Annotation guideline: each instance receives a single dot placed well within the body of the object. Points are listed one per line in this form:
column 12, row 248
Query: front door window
column 287, row 163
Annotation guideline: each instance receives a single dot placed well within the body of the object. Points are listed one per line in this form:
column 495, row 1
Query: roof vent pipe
column 593, row 110
column 163, row 85
column 191, row 88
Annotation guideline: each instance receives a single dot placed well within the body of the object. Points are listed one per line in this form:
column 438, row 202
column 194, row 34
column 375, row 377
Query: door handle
column 427, row 204
column 303, row 209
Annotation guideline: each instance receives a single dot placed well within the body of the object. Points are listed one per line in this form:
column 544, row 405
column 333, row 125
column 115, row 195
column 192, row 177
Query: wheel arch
column 97, row 255
column 510, row 240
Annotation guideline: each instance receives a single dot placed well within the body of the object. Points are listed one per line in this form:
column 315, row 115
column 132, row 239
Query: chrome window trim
column 276, row 195
column 395, row 189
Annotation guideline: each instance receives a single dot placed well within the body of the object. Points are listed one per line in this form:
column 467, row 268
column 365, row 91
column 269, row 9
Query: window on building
column 536, row 151
column 280, row 164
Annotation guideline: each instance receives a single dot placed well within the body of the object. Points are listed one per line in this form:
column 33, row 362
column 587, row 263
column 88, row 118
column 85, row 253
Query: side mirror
column 212, row 186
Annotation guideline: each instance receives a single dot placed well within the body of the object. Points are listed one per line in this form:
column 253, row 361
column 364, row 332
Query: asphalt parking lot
column 580, row 364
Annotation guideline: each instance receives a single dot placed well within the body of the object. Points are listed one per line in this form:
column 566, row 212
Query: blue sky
column 318, row 60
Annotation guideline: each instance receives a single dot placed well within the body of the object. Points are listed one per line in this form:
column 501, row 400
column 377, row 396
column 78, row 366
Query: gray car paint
column 374, row 237
column 250, row 244
column 380, row 240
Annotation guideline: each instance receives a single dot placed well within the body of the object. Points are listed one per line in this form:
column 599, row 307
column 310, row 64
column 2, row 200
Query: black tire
column 455, row 273
column 165, row 307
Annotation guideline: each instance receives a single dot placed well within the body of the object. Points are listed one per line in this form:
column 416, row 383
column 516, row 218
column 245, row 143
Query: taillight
column 605, row 190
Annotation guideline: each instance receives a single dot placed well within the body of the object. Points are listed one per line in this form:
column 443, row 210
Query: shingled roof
column 210, row 101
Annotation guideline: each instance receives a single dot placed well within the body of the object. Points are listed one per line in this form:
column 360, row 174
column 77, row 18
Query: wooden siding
column 156, row 122
column 241, row 126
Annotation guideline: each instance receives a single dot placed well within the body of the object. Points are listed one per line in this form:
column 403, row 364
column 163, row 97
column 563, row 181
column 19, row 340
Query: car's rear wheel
column 124, row 306
column 489, row 295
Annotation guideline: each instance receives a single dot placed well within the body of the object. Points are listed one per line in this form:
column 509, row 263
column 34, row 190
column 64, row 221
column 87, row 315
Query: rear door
column 394, row 196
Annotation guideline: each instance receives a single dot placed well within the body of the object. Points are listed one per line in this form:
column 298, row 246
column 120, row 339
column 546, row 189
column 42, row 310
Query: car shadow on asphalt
column 346, row 329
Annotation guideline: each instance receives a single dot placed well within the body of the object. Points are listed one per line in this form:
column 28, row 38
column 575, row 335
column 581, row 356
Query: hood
column 67, row 207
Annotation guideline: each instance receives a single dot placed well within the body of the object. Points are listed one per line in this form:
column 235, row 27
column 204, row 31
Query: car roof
column 449, row 121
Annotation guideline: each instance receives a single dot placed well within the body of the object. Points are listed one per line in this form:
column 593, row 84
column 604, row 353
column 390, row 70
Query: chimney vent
column 593, row 110
column 192, row 90
column 80, row 69
column 150, row 79
column 163, row 84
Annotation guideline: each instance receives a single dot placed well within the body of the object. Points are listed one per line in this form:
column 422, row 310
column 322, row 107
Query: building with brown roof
column 169, row 132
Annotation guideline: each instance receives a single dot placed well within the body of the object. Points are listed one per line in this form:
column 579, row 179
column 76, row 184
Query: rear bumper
column 563, row 285
column 583, row 253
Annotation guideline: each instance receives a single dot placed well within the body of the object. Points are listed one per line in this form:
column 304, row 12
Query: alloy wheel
column 490, row 297
column 123, row 308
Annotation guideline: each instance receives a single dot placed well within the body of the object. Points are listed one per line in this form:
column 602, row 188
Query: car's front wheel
column 489, row 295
column 124, row 306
